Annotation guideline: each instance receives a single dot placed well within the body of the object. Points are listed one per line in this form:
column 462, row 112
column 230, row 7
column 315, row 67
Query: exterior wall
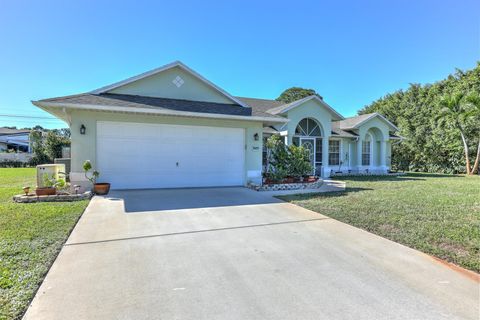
column 14, row 156
column 84, row 146
column 389, row 154
column 350, row 148
column 312, row 109
column 381, row 146
column 161, row 85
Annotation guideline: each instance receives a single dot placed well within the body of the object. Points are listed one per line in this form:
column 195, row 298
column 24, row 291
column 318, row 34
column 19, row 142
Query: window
column 296, row 141
column 365, row 153
column 308, row 127
column 334, row 152
column 318, row 151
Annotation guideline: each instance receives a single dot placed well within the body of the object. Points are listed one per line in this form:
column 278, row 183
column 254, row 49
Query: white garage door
column 139, row 155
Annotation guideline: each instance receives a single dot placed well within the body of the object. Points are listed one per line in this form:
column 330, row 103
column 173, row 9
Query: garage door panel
column 134, row 155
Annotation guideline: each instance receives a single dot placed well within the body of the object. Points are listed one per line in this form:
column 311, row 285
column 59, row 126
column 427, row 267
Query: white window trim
column 370, row 165
column 340, row 151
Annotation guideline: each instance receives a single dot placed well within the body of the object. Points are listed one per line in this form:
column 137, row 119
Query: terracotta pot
column 101, row 188
column 45, row 191
column 289, row 180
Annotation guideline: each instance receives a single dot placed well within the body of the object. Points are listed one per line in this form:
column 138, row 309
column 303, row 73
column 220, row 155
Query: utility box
column 66, row 162
column 53, row 170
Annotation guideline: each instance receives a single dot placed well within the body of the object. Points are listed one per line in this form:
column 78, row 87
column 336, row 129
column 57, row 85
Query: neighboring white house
column 171, row 127
column 14, row 139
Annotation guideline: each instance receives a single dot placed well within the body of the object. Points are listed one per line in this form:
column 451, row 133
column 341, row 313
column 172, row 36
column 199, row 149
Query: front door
column 309, row 144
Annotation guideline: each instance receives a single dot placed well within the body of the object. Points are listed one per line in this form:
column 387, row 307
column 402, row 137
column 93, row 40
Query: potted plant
column 100, row 188
column 50, row 185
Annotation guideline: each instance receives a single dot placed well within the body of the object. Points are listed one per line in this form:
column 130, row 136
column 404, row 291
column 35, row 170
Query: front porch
column 366, row 151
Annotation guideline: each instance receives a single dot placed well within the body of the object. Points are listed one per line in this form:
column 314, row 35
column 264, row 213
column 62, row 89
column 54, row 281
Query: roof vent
column 178, row 81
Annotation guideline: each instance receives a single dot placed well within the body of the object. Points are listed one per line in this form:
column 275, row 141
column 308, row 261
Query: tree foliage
column 296, row 93
column 46, row 146
column 432, row 145
column 53, row 144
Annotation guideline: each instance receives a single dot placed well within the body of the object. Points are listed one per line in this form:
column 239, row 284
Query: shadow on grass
column 409, row 176
column 307, row 196
column 434, row 175
column 380, row 178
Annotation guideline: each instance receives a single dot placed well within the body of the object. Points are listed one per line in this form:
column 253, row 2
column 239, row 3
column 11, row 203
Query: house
column 171, row 127
column 13, row 139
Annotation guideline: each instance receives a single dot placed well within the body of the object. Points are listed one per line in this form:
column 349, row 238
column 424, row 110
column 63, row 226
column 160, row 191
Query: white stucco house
column 171, row 127
column 14, row 139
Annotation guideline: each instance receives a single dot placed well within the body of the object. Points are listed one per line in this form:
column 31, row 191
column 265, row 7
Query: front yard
column 436, row 214
column 31, row 235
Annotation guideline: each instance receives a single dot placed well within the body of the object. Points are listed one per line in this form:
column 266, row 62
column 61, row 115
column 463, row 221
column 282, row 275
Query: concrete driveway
column 233, row 253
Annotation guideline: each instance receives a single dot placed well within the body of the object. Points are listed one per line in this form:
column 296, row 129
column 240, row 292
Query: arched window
column 308, row 134
column 308, row 128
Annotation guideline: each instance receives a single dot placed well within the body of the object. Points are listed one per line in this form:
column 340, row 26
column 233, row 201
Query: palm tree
column 474, row 101
column 455, row 109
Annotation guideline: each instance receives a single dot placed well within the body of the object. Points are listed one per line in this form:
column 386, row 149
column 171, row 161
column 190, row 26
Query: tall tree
column 474, row 101
column 428, row 146
column 296, row 93
column 454, row 110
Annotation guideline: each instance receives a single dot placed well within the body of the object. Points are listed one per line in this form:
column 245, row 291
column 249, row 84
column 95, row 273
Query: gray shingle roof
column 123, row 100
column 261, row 107
column 352, row 122
column 336, row 130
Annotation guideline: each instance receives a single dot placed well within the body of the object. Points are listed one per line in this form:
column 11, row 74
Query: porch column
column 325, row 168
column 359, row 154
column 383, row 154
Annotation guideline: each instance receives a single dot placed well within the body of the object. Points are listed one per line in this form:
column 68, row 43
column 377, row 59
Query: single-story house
column 171, row 127
column 14, row 139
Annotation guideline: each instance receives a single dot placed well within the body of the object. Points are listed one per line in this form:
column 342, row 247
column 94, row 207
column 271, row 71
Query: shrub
column 299, row 162
column 13, row 164
column 283, row 161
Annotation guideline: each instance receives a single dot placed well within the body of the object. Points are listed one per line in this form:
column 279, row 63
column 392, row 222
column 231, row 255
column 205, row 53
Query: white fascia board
column 164, row 68
column 48, row 106
column 314, row 97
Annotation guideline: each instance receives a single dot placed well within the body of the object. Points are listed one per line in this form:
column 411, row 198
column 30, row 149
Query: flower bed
column 22, row 198
column 287, row 186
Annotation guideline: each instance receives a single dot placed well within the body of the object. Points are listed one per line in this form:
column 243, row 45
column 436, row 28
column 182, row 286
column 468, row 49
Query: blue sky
column 351, row 52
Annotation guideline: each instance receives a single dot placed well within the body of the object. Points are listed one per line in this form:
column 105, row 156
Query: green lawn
column 436, row 214
column 31, row 235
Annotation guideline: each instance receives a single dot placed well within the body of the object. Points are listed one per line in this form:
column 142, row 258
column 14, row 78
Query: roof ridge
column 272, row 100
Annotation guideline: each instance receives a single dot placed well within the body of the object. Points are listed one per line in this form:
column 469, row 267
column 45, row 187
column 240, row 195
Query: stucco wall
column 310, row 109
column 379, row 131
column 161, row 85
column 84, row 146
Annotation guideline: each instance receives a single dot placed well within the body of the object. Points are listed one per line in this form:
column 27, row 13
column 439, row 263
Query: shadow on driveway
column 177, row 199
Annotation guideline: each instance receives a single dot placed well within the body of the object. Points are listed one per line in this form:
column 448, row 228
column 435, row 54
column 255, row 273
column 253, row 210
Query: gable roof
column 164, row 68
column 151, row 105
column 289, row 106
column 131, row 101
column 357, row 121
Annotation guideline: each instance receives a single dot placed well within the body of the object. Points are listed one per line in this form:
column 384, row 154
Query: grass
column 436, row 214
column 31, row 235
